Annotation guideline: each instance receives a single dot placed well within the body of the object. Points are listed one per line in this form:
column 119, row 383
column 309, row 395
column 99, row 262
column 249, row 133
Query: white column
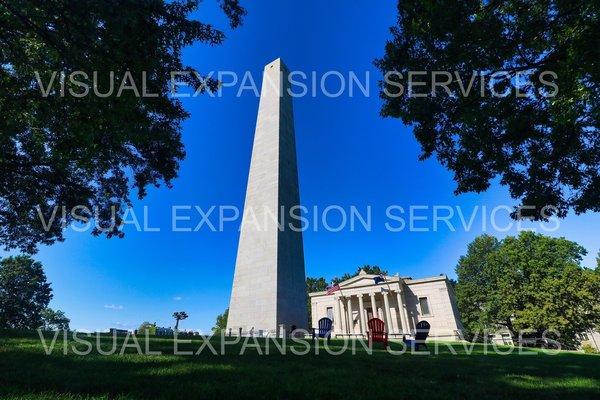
column 401, row 314
column 386, row 311
column 374, row 305
column 361, row 314
column 338, row 324
column 405, row 312
column 396, row 317
column 350, row 319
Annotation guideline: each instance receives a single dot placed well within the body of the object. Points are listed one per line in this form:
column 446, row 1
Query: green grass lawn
column 26, row 372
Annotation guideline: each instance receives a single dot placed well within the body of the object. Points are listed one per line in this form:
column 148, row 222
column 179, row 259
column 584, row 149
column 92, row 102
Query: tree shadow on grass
column 29, row 372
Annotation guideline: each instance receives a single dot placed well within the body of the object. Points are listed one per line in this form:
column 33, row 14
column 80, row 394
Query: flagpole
column 386, row 281
column 382, row 276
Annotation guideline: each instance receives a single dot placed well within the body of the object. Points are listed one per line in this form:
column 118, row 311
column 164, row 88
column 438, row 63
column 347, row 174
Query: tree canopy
column 530, row 282
column 543, row 144
column 475, row 283
column 179, row 316
column 314, row 285
column 221, row 322
column 55, row 320
column 146, row 326
column 71, row 148
column 24, row 293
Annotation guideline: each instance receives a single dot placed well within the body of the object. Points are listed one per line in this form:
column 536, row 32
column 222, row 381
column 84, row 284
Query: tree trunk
column 512, row 331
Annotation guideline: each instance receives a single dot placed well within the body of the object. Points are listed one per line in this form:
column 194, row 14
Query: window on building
column 330, row 313
column 424, row 304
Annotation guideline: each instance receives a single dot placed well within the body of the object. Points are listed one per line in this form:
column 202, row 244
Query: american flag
column 333, row 288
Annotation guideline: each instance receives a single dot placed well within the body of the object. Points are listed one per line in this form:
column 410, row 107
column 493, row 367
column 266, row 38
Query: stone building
column 591, row 338
column 399, row 302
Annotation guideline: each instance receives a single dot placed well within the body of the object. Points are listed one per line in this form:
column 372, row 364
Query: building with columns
column 400, row 302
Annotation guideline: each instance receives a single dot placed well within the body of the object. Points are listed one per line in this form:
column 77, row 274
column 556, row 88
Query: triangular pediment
column 362, row 280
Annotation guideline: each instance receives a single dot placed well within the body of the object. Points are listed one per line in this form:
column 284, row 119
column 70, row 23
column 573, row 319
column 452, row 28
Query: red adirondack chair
column 376, row 332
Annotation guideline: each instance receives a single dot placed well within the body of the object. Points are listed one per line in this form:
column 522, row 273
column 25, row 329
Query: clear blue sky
column 347, row 155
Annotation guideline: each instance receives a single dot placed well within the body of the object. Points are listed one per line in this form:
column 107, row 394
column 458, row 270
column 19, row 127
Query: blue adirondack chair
column 421, row 333
column 324, row 330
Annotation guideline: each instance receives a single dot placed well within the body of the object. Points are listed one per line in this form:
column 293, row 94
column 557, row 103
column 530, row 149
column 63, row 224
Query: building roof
column 364, row 279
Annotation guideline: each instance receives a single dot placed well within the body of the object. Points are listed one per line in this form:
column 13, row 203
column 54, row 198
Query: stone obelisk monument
column 269, row 289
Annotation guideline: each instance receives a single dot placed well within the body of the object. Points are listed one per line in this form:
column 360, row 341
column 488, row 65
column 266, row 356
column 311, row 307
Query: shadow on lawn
column 27, row 372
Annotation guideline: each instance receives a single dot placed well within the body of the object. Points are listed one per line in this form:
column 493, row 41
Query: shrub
column 589, row 349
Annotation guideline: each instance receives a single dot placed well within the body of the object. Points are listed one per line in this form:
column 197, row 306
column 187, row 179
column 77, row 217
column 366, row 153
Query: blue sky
column 347, row 155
